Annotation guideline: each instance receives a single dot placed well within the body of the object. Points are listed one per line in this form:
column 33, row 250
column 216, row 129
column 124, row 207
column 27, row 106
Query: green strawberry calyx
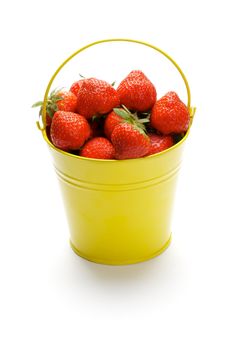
column 132, row 118
column 51, row 106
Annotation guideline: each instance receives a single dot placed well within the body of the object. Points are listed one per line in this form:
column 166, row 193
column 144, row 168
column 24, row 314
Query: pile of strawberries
column 95, row 120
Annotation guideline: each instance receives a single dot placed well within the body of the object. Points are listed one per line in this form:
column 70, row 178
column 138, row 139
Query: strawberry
column 129, row 141
column 68, row 101
column 159, row 143
column 111, row 121
column 170, row 115
column 75, row 88
column 137, row 92
column 122, row 115
column 69, row 130
column 58, row 100
column 98, row 147
column 96, row 97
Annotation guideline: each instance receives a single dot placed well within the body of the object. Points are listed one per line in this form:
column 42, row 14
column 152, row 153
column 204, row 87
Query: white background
column 51, row 298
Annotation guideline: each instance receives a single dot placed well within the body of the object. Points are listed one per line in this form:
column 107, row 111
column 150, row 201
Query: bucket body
column 119, row 212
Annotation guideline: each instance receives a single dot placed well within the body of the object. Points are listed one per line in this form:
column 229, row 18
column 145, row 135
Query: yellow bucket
column 119, row 212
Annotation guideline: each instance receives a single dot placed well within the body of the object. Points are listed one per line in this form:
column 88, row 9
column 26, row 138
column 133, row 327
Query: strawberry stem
column 127, row 110
column 144, row 120
column 37, row 104
column 51, row 107
column 132, row 118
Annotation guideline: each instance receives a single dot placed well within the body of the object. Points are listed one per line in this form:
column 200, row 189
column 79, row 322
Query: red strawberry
column 122, row 115
column 69, row 130
column 48, row 120
column 58, row 100
column 68, row 101
column 75, row 88
column 137, row 92
column 98, row 147
column 96, row 97
column 111, row 121
column 159, row 143
column 130, row 141
column 170, row 115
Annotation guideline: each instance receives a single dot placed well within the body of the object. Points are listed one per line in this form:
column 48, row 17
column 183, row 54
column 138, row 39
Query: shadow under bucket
column 119, row 212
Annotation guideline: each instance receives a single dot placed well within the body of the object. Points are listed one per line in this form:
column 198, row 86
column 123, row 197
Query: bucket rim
column 67, row 154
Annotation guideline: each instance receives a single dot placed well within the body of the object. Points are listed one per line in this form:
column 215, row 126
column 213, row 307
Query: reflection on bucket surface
column 119, row 212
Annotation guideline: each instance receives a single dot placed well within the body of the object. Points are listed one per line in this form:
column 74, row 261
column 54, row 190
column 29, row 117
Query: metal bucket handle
column 41, row 124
